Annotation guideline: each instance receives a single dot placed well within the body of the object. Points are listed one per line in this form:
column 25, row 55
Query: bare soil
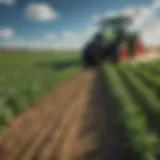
column 76, row 122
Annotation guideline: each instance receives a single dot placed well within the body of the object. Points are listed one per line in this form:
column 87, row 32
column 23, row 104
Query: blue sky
column 58, row 23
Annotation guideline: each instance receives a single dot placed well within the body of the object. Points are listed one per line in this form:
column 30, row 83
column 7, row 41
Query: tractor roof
column 117, row 20
column 122, row 20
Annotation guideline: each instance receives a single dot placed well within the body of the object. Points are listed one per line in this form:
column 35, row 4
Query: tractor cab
column 117, row 25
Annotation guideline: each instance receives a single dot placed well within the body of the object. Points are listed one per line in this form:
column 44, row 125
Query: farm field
column 135, row 90
column 109, row 113
column 25, row 78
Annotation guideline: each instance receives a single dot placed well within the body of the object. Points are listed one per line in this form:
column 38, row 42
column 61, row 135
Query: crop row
column 136, row 92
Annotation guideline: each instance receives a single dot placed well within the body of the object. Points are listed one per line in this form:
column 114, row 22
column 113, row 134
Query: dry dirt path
column 76, row 122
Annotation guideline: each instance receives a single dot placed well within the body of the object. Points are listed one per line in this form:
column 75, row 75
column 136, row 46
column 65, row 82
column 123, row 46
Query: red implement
column 124, row 53
column 140, row 48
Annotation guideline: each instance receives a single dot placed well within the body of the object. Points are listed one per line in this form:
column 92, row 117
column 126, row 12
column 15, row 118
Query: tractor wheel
column 92, row 55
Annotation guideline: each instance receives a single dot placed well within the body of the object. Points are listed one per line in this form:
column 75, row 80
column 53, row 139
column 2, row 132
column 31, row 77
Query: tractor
column 101, row 49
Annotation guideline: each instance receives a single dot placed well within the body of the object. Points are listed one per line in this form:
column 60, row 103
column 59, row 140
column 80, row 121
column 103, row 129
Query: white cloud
column 151, row 35
column 149, row 25
column 40, row 12
column 6, row 33
column 7, row 2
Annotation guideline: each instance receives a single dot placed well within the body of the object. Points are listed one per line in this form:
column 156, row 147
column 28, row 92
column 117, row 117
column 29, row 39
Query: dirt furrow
column 58, row 133
column 45, row 127
column 64, row 110
column 53, row 132
column 43, row 131
column 68, row 121
column 68, row 148
column 27, row 137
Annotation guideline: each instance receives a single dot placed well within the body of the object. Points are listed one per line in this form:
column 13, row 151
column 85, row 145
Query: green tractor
column 106, row 43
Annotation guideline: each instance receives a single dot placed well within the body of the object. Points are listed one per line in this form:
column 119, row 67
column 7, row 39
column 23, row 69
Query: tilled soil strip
column 52, row 147
column 68, row 111
column 67, row 144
